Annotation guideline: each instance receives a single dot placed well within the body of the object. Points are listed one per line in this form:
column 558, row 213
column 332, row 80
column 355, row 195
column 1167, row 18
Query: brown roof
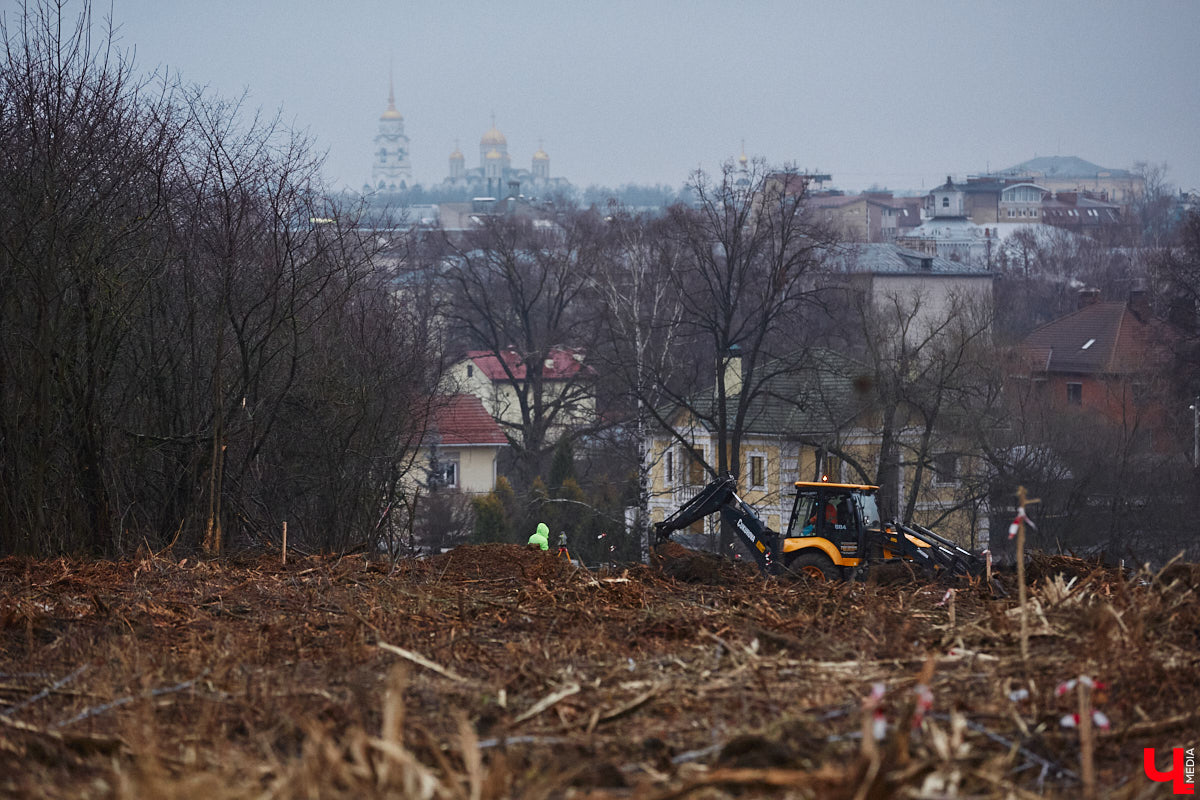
column 462, row 420
column 1101, row 338
column 834, row 200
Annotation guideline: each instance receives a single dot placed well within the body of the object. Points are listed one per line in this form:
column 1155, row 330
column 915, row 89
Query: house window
column 831, row 468
column 1075, row 394
column 946, row 201
column 695, row 467
column 945, row 469
column 670, row 467
column 444, row 472
column 758, row 472
column 470, row 371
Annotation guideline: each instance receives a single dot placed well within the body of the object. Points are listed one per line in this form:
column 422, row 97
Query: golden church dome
column 493, row 154
column 540, row 155
column 457, row 155
column 391, row 112
column 493, row 138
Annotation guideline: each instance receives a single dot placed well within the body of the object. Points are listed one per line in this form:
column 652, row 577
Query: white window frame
column 451, row 465
column 766, row 475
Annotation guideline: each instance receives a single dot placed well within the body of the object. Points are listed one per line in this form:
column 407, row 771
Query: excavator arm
column 721, row 496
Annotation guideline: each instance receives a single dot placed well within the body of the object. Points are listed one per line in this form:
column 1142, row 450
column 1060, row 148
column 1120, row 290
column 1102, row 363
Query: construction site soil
column 494, row 671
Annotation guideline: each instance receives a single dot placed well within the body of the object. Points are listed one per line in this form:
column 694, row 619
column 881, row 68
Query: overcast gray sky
column 895, row 94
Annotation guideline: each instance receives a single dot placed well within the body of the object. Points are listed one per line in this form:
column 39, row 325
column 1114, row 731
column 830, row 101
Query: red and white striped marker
column 1099, row 719
column 1021, row 517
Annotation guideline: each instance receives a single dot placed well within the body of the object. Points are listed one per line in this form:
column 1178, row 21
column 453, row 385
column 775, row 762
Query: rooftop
column 812, row 393
column 461, row 420
column 896, row 260
column 1100, row 338
column 561, row 364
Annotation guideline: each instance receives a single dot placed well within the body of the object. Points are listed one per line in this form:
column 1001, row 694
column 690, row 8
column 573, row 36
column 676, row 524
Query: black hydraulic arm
column 708, row 501
column 721, row 495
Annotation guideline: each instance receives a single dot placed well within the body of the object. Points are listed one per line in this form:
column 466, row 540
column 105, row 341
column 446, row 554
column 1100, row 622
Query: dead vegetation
column 494, row 671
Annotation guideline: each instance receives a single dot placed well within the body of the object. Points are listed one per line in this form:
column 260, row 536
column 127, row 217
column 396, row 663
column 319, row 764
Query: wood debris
column 494, row 671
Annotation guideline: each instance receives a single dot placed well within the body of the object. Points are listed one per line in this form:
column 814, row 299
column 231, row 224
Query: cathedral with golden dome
column 496, row 176
column 391, row 169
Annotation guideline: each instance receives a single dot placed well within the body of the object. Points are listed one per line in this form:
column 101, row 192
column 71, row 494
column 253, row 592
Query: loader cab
column 834, row 518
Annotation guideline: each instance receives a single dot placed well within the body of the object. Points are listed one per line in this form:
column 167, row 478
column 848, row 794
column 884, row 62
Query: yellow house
column 461, row 446
column 817, row 421
column 803, row 424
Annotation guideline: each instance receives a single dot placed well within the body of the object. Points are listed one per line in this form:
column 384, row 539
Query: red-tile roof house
column 501, row 380
column 563, row 364
column 1110, row 358
column 463, row 421
column 464, row 441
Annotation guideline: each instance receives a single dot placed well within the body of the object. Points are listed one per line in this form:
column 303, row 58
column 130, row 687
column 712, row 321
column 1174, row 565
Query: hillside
column 493, row 671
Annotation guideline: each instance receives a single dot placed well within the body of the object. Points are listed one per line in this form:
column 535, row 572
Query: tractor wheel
column 815, row 566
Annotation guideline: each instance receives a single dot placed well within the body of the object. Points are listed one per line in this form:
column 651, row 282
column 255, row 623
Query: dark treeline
column 187, row 353
column 197, row 345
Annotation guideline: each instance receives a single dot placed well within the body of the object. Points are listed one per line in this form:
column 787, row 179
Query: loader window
column 841, row 512
column 870, row 511
column 806, row 515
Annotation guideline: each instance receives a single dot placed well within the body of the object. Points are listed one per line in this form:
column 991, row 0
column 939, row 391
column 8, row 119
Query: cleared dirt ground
column 493, row 671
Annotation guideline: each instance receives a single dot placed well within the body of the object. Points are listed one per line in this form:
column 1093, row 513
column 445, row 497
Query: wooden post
column 1087, row 741
column 1022, row 501
column 285, row 541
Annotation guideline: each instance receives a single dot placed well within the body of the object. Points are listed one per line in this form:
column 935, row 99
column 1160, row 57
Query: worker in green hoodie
column 541, row 538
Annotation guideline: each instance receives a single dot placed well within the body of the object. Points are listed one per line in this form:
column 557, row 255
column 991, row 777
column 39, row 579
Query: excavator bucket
column 939, row 554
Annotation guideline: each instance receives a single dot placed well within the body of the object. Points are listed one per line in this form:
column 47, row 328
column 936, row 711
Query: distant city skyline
column 874, row 93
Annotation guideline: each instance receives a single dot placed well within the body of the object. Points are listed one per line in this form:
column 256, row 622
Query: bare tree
column 922, row 354
column 84, row 147
column 184, row 313
column 1176, row 277
column 1151, row 208
column 521, row 290
column 642, row 319
column 747, row 248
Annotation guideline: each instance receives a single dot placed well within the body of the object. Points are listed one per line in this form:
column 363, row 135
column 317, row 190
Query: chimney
column 733, row 371
column 1139, row 303
column 1088, row 297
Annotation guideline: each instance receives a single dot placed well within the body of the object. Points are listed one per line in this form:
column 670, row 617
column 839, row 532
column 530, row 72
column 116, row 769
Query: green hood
column 543, row 529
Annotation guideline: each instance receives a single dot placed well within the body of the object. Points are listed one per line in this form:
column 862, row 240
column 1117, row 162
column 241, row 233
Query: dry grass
column 497, row 672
